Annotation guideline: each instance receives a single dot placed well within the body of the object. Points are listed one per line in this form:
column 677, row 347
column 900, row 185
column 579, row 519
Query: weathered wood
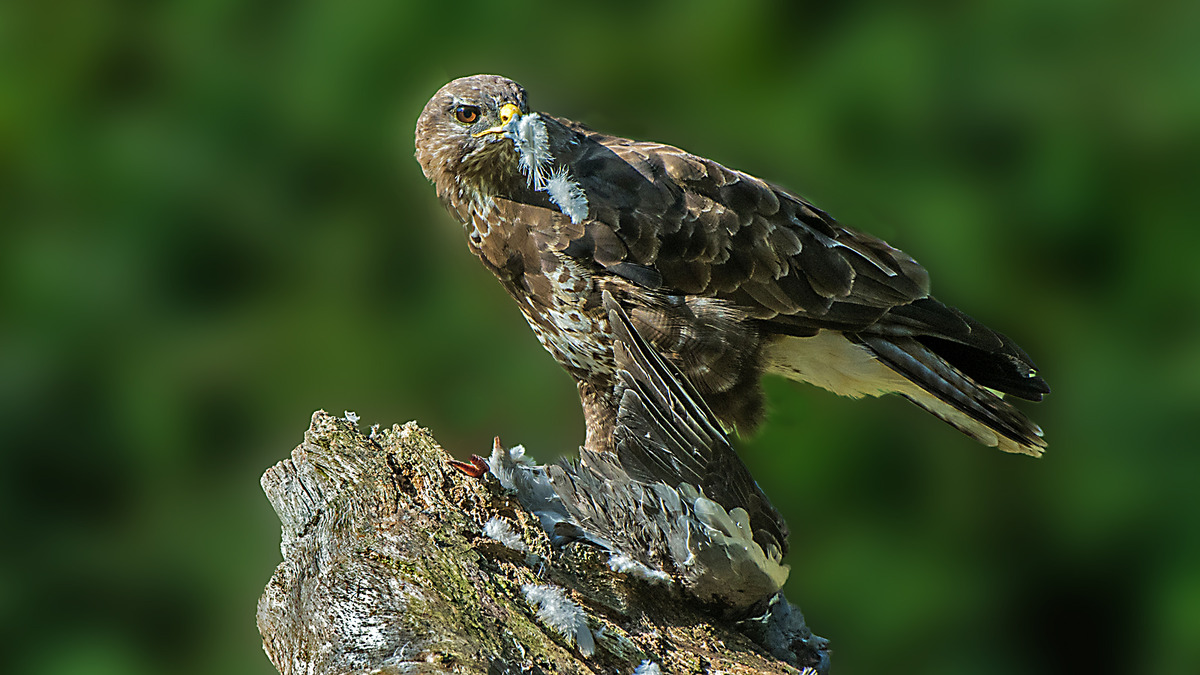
column 386, row 570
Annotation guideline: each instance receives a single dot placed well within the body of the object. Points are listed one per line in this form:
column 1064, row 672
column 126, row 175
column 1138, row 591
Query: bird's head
column 464, row 135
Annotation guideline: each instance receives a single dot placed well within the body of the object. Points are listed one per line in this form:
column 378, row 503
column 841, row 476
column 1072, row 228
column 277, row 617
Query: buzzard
column 725, row 275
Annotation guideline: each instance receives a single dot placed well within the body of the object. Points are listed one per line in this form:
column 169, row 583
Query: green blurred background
column 213, row 225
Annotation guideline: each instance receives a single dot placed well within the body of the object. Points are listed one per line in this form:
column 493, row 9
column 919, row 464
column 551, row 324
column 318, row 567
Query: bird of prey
column 725, row 275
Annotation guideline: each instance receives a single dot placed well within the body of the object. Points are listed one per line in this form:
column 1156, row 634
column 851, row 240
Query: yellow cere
column 508, row 111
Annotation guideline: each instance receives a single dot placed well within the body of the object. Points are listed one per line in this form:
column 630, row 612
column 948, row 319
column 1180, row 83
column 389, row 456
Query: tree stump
column 386, row 569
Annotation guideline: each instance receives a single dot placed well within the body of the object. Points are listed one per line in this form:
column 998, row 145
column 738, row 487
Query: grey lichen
column 384, row 571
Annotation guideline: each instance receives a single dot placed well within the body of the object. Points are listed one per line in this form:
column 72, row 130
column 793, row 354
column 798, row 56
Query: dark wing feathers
column 667, row 434
column 665, row 219
column 1004, row 370
column 914, row 360
column 720, row 231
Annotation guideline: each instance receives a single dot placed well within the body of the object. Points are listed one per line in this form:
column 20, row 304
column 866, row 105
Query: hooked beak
column 508, row 113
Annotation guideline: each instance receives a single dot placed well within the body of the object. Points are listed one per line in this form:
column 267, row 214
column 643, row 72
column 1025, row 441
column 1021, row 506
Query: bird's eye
column 467, row 114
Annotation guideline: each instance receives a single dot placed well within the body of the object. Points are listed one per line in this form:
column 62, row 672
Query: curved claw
column 475, row 467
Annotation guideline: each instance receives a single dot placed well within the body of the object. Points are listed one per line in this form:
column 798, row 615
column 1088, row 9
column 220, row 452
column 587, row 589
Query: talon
column 475, row 467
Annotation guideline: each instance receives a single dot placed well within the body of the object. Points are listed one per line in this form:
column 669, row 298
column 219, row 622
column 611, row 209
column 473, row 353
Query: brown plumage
column 725, row 275
column 671, row 494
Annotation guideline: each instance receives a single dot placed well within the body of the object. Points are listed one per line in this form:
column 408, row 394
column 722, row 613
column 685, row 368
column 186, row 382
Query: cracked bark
column 385, row 570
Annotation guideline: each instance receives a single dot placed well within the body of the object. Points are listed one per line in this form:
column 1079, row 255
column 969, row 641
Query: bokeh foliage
column 212, row 225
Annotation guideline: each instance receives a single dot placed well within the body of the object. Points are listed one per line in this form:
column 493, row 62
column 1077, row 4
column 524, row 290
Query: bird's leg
column 476, row 466
column 600, row 418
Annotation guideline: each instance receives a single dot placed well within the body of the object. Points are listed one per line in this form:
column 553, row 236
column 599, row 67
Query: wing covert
column 709, row 230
